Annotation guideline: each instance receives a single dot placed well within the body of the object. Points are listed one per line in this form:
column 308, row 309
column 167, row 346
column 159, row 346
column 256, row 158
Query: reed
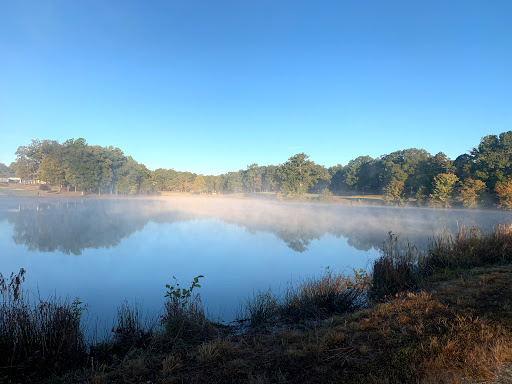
column 471, row 248
column 38, row 337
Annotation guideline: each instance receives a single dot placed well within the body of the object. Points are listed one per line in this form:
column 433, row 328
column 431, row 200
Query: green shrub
column 326, row 196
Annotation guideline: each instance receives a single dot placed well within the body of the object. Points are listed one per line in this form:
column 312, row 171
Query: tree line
column 481, row 177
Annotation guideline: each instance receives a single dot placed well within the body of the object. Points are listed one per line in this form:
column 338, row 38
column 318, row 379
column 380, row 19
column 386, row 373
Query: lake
column 109, row 250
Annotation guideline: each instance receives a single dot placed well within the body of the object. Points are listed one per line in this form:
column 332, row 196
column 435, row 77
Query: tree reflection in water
column 72, row 226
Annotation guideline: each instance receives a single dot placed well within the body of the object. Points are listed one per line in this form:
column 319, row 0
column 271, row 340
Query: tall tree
column 394, row 192
column 472, row 193
column 235, row 181
column 82, row 169
column 134, row 178
column 250, row 177
column 493, row 159
column 444, row 190
column 28, row 158
column 52, row 169
column 104, row 161
column 4, row 169
column 298, row 174
column 464, row 166
column 270, row 180
column 504, row 192
column 408, row 166
column 199, row 185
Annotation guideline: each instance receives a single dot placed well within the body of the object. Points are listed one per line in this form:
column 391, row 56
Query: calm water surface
column 106, row 251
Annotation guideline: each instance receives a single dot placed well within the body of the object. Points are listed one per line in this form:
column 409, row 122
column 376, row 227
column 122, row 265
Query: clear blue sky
column 212, row 86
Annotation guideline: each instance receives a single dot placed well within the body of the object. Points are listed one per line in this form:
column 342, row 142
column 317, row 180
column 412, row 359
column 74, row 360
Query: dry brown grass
column 444, row 336
column 470, row 248
column 458, row 332
column 215, row 351
column 171, row 364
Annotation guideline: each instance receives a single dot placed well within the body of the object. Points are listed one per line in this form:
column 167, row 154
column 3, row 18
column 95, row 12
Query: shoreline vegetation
column 480, row 178
column 33, row 191
column 12, row 191
column 444, row 315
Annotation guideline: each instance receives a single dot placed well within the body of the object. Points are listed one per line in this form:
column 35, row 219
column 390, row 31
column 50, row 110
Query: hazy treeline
column 5, row 170
column 89, row 168
column 481, row 177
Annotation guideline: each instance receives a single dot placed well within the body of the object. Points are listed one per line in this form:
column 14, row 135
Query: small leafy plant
column 184, row 320
column 78, row 308
column 181, row 295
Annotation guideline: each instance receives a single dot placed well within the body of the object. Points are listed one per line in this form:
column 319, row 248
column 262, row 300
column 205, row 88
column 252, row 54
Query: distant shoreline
column 32, row 191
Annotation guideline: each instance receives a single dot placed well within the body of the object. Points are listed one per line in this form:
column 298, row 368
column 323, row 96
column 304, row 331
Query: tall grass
column 471, row 248
column 330, row 294
column 404, row 268
column 399, row 268
column 185, row 322
column 38, row 337
column 311, row 299
column 132, row 329
column 262, row 308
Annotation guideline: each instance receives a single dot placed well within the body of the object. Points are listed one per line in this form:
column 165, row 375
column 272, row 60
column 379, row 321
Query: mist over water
column 107, row 250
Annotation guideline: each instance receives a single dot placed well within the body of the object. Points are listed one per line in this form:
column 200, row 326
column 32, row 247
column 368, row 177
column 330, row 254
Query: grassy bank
column 34, row 190
column 22, row 190
column 440, row 316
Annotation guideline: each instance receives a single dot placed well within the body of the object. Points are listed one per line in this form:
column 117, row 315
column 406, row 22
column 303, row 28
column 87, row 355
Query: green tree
column 219, row 183
column 134, row 178
column 159, row 179
column 337, row 179
column 4, row 169
column 394, row 192
column 323, row 178
column 199, row 184
column 185, row 181
column 82, row 168
column 408, row 166
column 440, row 163
column 421, row 195
column 503, row 190
column 270, row 181
column 297, row 175
column 493, row 159
column 210, row 183
column 471, row 193
column 444, row 189
column 235, row 181
column 326, row 196
column 117, row 159
column 464, row 166
column 248, row 178
column 351, row 177
column 52, row 170
column 28, row 158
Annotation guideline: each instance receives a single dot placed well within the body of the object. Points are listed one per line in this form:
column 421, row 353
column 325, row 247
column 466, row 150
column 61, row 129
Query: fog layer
column 75, row 225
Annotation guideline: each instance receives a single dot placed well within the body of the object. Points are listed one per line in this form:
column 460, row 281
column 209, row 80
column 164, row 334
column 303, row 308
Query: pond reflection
column 72, row 226
column 131, row 248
